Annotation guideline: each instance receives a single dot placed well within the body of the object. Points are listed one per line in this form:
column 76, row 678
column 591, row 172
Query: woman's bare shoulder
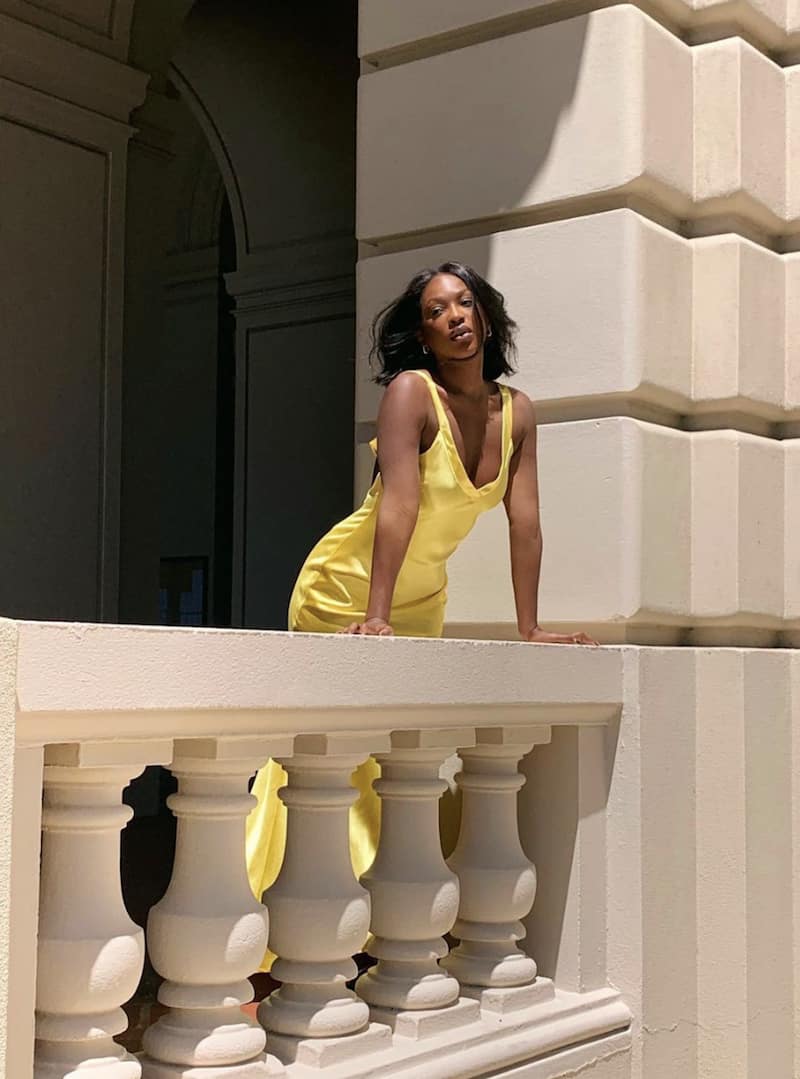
column 407, row 392
column 524, row 414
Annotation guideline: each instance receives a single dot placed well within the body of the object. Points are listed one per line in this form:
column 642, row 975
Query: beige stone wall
column 634, row 197
column 629, row 178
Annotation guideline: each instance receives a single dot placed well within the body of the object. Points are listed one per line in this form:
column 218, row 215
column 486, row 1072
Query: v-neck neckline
column 446, row 430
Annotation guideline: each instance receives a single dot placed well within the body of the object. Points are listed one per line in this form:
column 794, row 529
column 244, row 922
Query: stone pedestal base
column 429, row 1023
column 513, row 999
column 57, row 1062
column 327, row 1052
column 268, row 1067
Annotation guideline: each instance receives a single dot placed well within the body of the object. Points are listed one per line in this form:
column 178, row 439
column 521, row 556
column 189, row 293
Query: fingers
column 364, row 629
column 543, row 637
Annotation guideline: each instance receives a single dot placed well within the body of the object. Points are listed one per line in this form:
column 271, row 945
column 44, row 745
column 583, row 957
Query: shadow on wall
column 465, row 135
column 562, row 816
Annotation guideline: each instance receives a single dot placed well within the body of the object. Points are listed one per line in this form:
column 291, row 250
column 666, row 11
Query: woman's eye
column 467, row 301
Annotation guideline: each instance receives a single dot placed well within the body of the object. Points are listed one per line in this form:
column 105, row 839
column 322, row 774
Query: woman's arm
column 525, row 534
column 401, row 421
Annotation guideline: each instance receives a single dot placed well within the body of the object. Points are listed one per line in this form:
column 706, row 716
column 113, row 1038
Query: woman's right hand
column 370, row 627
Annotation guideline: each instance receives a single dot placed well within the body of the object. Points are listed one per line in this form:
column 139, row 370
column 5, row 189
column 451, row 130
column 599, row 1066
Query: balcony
column 456, row 991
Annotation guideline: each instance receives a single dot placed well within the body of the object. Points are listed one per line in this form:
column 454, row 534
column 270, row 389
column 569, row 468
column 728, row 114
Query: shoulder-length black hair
column 395, row 330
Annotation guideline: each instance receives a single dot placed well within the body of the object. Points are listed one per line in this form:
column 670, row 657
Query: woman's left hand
column 370, row 627
column 541, row 636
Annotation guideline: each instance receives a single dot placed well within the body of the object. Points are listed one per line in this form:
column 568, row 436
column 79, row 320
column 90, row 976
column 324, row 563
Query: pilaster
column 63, row 122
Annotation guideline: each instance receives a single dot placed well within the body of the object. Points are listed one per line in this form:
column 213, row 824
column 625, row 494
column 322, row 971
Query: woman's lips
column 461, row 334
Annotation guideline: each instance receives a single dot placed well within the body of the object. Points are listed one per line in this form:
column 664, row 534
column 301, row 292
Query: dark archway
column 240, row 302
column 274, row 97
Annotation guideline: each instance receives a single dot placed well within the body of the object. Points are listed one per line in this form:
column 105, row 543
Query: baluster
column 208, row 932
column 90, row 953
column 414, row 894
column 498, row 883
column 319, row 913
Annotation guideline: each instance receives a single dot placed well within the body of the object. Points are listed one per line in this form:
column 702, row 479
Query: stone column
column 90, row 953
column 319, row 912
column 414, row 894
column 498, row 883
column 208, row 933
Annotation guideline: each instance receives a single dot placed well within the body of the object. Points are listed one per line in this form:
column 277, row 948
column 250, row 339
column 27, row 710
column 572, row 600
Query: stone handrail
column 91, row 706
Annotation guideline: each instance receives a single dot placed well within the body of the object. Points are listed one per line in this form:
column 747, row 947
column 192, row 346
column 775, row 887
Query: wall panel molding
column 101, row 25
column 62, row 69
column 76, row 146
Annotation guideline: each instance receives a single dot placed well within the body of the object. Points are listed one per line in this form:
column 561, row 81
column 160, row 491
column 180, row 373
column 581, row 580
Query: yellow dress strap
column 508, row 420
column 441, row 415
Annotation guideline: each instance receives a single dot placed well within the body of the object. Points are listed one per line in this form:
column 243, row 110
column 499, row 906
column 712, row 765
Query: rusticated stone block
column 648, row 532
column 594, row 104
column 618, row 315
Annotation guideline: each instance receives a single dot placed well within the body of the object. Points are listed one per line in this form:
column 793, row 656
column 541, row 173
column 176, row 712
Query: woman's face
column 452, row 323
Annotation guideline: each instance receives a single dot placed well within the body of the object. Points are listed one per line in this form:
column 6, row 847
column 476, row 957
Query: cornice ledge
column 61, row 69
column 294, row 263
column 156, row 121
column 332, row 295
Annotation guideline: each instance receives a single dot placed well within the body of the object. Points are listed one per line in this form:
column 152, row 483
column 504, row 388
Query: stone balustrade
column 93, row 705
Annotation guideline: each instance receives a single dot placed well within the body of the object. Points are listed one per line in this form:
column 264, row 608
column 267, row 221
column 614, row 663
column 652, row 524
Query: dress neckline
column 446, row 430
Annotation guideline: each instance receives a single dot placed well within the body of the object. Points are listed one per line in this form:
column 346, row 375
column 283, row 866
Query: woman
column 451, row 443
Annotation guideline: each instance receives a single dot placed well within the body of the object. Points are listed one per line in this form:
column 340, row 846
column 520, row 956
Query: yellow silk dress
column 332, row 590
